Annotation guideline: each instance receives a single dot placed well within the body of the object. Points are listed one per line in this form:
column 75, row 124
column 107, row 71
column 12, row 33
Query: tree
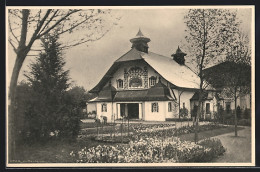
column 78, row 97
column 234, row 75
column 33, row 25
column 239, row 79
column 49, row 83
column 208, row 32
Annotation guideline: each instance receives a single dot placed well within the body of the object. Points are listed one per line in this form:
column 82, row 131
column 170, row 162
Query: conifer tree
column 50, row 109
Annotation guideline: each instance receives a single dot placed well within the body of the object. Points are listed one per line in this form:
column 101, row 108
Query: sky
column 89, row 62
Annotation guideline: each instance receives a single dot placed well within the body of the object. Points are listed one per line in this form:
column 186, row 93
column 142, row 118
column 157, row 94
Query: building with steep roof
column 146, row 86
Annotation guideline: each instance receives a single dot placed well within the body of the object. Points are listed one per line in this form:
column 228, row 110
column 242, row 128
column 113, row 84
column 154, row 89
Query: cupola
column 139, row 42
column 179, row 56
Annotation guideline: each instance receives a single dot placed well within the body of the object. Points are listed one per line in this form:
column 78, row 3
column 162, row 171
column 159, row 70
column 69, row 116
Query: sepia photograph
column 130, row 86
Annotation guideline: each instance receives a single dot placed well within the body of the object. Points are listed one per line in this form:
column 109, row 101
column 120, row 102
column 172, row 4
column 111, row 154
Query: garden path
column 238, row 149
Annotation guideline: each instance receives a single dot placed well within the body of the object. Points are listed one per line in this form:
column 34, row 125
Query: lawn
column 207, row 134
column 59, row 152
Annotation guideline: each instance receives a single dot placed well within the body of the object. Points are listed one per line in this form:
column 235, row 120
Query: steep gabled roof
column 178, row 75
column 220, row 75
column 159, row 92
column 105, row 78
column 133, row 54
column 206, row 96
column 131, row 95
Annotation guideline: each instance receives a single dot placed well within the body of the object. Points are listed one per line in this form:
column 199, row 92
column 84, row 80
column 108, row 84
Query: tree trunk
column 235, row 114
column 21, row 53
column 179, row 107
column 12, row 93
column 201, row 78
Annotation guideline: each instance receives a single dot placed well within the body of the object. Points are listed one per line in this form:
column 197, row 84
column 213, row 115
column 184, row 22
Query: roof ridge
column 123, row 55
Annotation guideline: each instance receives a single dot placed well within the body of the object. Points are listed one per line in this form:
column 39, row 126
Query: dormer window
column 152, row 81
column 120, row 83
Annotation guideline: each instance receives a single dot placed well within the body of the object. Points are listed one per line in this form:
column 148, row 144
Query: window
column 169, row 106
column 152, row 81
column 104, row 107
column 183, row 106
column 155, row 107
column 207, row 108
column 120, row 83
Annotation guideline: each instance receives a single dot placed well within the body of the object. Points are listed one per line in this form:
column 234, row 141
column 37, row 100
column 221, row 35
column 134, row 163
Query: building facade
column 146, row 86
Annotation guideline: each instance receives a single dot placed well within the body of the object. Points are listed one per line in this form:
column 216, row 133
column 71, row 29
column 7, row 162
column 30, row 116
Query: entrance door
column 133, row 110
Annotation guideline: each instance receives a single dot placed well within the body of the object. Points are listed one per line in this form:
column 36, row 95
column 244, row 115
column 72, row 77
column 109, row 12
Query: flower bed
column 151, row 150
column 174, row 132
column 149, row 127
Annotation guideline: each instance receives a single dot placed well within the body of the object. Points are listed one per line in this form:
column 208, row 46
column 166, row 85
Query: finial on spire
column 140, row 42
column 139, row 33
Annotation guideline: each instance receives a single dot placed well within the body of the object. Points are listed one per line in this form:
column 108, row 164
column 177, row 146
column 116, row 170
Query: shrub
column 216, row 147
column 247, row 114
column 184, row 112
column 244, row 122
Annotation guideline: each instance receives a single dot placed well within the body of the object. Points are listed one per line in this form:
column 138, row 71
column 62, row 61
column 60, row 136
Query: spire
column 140, row 34
column 179, row 56
column 139, row 42
column 178, row 51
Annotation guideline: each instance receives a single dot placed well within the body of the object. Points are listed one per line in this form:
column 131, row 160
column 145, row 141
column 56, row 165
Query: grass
column 52, row 152
column 58, row 151
column 207, row 134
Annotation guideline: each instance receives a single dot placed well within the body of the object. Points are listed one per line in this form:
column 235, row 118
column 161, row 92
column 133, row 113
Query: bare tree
column 208, row 32
column 234, row 75
column 27, row 26
column 239, row 80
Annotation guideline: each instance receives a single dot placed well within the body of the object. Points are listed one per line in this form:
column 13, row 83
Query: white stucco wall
column 174, row 112
column 155, row 116
column 91, row 107
column 184, row 98
column 108, row 113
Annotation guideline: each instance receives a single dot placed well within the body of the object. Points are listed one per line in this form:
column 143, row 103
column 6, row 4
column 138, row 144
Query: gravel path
column 238, row 149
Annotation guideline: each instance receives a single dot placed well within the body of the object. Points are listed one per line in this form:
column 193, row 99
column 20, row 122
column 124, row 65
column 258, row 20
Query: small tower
column 179, row 56
column 139, row 42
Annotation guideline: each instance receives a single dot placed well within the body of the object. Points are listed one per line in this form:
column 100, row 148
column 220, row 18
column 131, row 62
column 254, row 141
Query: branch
column 54, row 25
column 10, row 41
column 34, row 37
column 32, row 55
column 10, row 11
column 51, row 19
column 10, row 27
column 36, row 50
column 73, row 27
column 78, row 43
